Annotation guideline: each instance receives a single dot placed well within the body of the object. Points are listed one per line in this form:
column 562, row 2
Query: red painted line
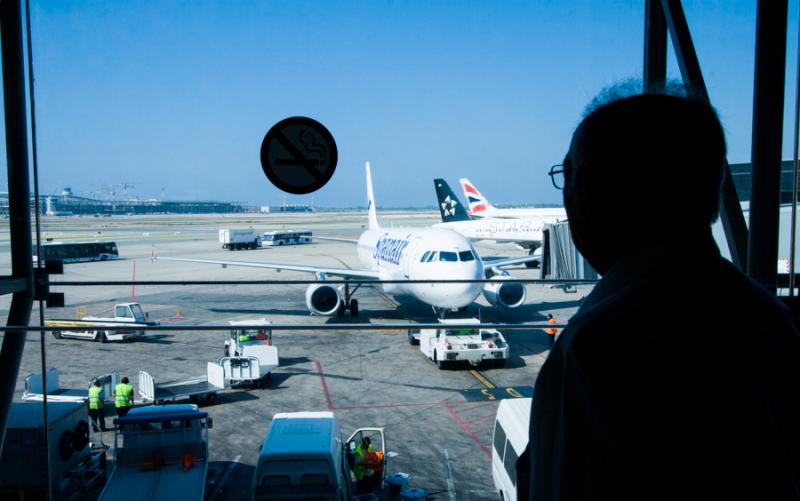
column 324, row 384
column 412, row 404
column 469, row 431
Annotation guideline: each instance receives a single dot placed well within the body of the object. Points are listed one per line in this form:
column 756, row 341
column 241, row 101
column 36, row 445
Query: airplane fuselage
column 397, row 254
column 528, row 232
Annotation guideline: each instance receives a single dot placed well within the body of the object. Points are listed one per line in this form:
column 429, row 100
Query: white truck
column 250, row 356
column 303, row 457
column 92, row 328
column 160, row 452
column 239, row 238
column 446, row 346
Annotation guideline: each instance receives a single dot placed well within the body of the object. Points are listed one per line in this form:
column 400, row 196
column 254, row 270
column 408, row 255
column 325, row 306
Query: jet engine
column 508, row 295
column 323, row 299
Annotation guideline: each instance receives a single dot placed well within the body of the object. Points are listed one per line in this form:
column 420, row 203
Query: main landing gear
column 348, row 303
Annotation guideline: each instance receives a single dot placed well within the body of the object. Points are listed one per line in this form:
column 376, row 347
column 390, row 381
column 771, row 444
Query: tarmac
column 438, row 423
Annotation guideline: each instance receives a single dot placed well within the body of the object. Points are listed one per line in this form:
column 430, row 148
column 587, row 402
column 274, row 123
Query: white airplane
column 479, row 206
column 524, row 232
column 406, row 254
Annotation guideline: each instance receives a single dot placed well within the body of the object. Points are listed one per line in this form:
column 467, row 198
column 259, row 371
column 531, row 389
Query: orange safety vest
column 551, row 331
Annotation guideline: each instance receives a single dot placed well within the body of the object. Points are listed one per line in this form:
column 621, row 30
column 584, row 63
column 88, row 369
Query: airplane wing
column 337, row 239
column 339, row 272
column 499, row 263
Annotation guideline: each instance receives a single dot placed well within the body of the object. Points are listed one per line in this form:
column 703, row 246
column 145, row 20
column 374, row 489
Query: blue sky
column 178, row 95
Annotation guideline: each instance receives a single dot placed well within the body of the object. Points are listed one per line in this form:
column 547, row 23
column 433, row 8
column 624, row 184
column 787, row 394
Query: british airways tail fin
column 478, row 204
column 449, row 206
column 372, row 214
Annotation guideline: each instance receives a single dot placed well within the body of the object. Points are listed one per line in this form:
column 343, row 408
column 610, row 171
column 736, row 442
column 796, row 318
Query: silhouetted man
column 625, row 407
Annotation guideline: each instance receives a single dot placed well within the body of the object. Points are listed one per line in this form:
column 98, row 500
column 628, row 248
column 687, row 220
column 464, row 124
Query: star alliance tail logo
column 449, row 206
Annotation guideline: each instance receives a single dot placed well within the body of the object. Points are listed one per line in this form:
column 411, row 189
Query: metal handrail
column 367, row 281
column 294, row 327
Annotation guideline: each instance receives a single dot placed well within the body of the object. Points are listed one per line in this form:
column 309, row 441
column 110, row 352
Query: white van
column 509, row 441
column 303, row 457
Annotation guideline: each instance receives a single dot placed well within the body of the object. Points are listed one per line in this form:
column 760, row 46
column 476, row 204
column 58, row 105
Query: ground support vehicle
column 92, row 328
column 73, row 465
column 78, row 252
column 249, row 353
column 286, row 237
column 55, row 393
column 447, row 345
column 160, row 453
column 202, row 389
column 242, row 238
column 509, row 441
column 303, row 457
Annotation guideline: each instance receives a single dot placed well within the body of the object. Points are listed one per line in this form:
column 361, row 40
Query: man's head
column 124, row 380
column 642, row 168
column 96, row 382
column 366, row 442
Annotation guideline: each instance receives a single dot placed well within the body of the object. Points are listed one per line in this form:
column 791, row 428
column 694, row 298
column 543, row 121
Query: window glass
column 510, row 462
column 466, row 255
column 499, row 439
column 276, row 480
column 314, row 479
column 424, row 256
column 448, row 256
column 434, row 256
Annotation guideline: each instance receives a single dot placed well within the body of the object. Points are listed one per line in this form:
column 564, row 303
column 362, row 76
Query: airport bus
column 286, row 237
column 508, row 443
column 79, row 252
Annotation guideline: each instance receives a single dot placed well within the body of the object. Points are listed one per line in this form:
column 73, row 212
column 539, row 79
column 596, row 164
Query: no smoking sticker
column 299, row 155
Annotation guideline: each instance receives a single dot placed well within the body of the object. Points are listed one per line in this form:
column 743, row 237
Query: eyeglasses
column 557, row 176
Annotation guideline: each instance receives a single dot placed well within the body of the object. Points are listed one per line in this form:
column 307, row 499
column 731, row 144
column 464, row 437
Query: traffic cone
column 179, row 314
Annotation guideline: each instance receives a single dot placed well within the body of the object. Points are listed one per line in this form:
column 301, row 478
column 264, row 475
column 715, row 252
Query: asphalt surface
column 438, row 423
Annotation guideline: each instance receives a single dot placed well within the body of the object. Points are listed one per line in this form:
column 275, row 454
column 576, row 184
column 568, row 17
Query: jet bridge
column 560, row 259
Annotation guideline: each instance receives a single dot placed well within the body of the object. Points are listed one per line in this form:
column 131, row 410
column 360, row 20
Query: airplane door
column 413, row 253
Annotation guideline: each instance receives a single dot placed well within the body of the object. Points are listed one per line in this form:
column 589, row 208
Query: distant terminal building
column 289, row 208
column 67, row 204
column 743, row 180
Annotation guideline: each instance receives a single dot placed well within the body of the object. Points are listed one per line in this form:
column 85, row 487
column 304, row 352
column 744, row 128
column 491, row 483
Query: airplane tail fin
column 478, row 204
column 372, row 214
column 449, row 206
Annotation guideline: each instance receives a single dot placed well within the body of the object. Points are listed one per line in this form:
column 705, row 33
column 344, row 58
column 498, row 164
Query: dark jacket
column 678, row 378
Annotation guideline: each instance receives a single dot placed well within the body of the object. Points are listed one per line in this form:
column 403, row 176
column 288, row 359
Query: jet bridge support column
column 20, row 283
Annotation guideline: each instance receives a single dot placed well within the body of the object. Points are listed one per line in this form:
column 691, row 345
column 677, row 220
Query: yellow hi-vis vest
column 124, row 393
column 95, row 400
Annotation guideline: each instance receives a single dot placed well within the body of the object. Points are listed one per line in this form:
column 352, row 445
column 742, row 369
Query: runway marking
column 469, row 431
column 324, row 384
column 226, row 476
column 448, row 473
column 483, row 379
column 336, row 258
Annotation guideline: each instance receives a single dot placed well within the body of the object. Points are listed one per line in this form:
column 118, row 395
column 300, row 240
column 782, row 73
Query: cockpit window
column 466, row 255
column 448, row 256
column 433, row 257
column 424, row 256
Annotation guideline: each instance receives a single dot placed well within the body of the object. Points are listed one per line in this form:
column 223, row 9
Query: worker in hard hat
column 97, row 414
column 123, row 397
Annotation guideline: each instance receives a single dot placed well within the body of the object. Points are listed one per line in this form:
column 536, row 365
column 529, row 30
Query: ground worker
column 97, row 414
column 123, row 397
column 551, row 331
column 365, row 466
